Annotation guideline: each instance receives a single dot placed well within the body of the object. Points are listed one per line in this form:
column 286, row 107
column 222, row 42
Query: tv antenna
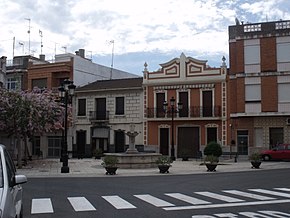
column 28, row 34
column 41, row 45
column 22, row 44
column 112, row 63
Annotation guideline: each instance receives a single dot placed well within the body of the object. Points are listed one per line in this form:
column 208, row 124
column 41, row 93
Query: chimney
column 82, row 53
column 77, row 53
column 42, row 57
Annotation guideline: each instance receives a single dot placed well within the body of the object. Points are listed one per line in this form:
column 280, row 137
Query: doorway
column 164, row 141
column 188, row 141
column 119, row 141
column 81, row 143
column 242, row 142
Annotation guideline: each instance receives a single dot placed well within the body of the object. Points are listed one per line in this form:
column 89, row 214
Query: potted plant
column 185, row 154
column 163, row 163
column 212, row 151
column 255, row 159
column 98, row 153
column 110, row 163
column 211, row 162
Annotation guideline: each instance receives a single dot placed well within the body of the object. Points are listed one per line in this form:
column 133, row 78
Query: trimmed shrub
column 213, row 148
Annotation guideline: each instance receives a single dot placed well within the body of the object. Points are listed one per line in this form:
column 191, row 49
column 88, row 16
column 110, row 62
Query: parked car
column 10, row 187
column 280, row 152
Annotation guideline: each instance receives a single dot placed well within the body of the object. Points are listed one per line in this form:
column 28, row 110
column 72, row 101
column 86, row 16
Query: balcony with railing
column 99, row 116
column 192, row 112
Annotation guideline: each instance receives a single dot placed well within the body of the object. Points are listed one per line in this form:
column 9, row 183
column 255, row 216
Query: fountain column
column 132, row 135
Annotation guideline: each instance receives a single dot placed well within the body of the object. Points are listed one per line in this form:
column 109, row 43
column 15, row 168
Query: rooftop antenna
column 28, row 34
column 41, row 45
column 64, row 47
column 22, row 44
column 112, row 63
column 13, row 47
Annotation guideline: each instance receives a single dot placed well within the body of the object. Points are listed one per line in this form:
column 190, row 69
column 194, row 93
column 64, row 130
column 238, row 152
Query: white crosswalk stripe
column 118, row 203
column 154, row 201
column 187, row 199
column 220, row 197
column 264, row 191
column 41, row 205
column 283, row 189
column 248, row 195
column 81, row 204
column 209, row 200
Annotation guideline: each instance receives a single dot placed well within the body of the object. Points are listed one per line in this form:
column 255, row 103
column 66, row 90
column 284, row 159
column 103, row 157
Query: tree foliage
column 27, row 113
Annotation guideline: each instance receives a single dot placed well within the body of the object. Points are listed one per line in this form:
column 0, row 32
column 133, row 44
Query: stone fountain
column 132, row 158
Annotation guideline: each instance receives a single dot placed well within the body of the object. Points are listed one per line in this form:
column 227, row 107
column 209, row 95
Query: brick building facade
column 203, row 117
column 259, row 85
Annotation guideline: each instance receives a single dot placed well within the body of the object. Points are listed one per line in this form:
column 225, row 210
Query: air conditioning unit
column 288, row 121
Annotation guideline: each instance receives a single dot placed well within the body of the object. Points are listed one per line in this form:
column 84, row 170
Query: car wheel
column 266, row 157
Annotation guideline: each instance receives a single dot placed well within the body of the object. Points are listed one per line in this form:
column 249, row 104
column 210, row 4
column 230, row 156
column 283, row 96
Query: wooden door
column 164, row 141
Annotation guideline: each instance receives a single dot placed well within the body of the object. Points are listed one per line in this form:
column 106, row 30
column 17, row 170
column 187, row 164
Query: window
column 160, row 98
column 183, row 98
column 36, row 145
column 276, row 136
column 119, row 106
column 11, row 170
column 283, row 52
column 252, row 54
column 283, row 92
column 12, row 84
column 54, row 146
column 82, row 107
column 207, row 105
column 40, row 83
column 253, row 92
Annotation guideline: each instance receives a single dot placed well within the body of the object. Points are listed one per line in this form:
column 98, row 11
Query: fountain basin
column 135, row 160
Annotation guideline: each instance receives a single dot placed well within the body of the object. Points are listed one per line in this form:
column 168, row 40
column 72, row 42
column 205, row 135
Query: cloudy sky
column 154, row 31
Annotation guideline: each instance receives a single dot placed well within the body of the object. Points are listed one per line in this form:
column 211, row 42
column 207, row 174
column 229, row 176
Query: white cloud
column 197, row 26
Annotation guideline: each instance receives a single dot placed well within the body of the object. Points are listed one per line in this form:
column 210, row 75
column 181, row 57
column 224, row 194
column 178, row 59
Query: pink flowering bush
column 27, row 113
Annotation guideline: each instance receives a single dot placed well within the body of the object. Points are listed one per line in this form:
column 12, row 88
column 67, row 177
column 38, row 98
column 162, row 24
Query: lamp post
column 66, row 91
column 173, row 111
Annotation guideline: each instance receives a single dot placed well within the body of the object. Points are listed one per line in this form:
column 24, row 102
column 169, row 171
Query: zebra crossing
column 180, row 201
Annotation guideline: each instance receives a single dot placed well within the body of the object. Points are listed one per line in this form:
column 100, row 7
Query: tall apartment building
column 203, row 118
column 259, row 85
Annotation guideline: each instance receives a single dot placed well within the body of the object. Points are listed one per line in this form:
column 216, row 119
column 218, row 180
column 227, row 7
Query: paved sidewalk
column 92, row 168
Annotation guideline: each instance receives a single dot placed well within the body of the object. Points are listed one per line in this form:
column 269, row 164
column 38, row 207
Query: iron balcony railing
column 99, row 116
column 193, row 112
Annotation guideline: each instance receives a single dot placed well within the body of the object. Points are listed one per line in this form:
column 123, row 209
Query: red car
column 280, row 152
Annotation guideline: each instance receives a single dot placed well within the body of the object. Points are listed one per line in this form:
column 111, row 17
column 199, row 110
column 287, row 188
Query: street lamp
column 66, row 91
column 173, row 111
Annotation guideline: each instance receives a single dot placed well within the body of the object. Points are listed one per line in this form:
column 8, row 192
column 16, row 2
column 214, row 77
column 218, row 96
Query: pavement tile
column 90, row 167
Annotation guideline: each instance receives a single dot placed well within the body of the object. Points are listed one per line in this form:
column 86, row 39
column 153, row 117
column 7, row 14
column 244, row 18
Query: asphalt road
column 242, row 194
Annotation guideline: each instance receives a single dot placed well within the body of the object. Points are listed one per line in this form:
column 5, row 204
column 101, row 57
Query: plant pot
column 211, row 167
column 163, row 168
column 256, row 164
column 111, row 170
